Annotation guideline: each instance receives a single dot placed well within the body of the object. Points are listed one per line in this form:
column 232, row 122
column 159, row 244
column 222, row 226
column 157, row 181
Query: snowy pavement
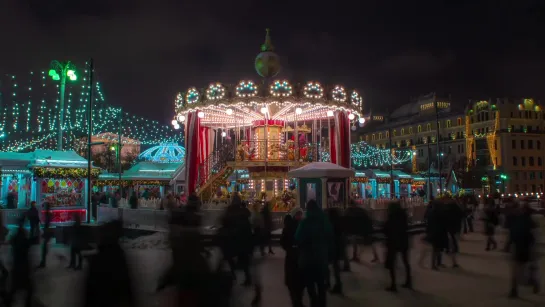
column 483, row 279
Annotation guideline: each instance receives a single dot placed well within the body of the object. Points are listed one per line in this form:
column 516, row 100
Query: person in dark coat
column 33, row 216
column 397, row 241
column 108, row 282
column 47, row 234
column 436, row 232
column 358, row 224
column 267, row 229
column 76, row 244
column 511, row 210
column 491, row 220
column 133, row 201
column 524, row 240
column 292, row 274
column 20, row 274
column 314, row 236
column 453, row 218
column 339, row 248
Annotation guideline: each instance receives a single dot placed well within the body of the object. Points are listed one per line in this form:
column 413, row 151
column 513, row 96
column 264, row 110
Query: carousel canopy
column 321, row 170
column 241, row 105
column 45, row 158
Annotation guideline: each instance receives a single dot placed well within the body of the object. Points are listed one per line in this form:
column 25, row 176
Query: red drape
column 192, row 151
column 333, row 144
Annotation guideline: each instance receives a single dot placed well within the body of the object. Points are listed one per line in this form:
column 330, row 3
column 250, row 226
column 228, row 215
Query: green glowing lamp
column 503, row 176
column 72, row 75
column 112, row 148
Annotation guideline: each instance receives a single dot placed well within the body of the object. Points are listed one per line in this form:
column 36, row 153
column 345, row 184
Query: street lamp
column 59, row 72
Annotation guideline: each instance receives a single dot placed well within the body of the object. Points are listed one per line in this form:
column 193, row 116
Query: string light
column 313, row 90
column 246, row 89
column 215, row 92
column 356, row 99
column 338, row 94
column 365, row 155
column 192, row 96
column 281, row 89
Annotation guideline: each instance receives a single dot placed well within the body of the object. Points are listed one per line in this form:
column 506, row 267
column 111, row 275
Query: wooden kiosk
column 327, row 183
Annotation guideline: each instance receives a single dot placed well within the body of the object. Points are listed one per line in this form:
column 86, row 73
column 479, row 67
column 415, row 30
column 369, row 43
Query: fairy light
column 281, row 89
column 338, row 94
column 215, row 91
column 355, row 99
column 313, row 90
column 192, row 96
column 246, row 89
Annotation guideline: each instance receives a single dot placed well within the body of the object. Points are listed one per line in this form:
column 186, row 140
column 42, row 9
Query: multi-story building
column 497, row 144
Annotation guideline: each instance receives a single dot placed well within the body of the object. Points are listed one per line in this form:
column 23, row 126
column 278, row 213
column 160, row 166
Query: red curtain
column 192, row 151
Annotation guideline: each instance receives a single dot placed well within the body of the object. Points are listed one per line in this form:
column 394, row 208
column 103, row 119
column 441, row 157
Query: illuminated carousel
column 247, row 136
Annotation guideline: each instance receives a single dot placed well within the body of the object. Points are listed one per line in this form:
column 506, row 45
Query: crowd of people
column 316, row 244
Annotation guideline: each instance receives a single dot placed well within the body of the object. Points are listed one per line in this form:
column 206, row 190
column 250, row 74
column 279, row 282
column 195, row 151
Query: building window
column 380, row 136
column 538, row 145
column 462, row 148
column 387, row 134
column 373, row 137
column 539, row 162
column 532, row 175
column 428, row 127
column 448, row 123
column 530, row 144
column 513, row 144
column 367, row 138
column 410, row 130
column 511, row 114
column 540, row 175
column 531, row 161
column 402, row 131
column 419, row 128
column 521, row 144
column 515, row 161
column 459, row 121
column 394, row 133
column 523, row 161
column 517, row 188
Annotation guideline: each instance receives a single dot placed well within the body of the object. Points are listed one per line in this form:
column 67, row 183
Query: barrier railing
column 157, row 220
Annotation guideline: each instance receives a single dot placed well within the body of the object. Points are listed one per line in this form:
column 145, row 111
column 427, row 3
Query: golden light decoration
column 281, row 89
column 338, row 94
column 356, row 99
column 192, row 96
column 129, row 183
column 215, row 91
column 313, row 90
column 246, row 89
column 58, row 173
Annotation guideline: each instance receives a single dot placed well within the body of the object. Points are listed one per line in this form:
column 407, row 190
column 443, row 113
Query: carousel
column 247, row 137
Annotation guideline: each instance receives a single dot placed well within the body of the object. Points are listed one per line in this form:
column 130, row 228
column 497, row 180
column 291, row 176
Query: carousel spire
column 267, row 46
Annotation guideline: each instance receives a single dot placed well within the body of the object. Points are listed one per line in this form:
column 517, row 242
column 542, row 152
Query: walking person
column 47, row 235
column 33, row 216
column 76, row 244
column 292, row 273
column 454, row 218
column 358, row 224
column 524, row 252
column 397, row 242
column 491, row 220
column 314, row 237
column 339, row 249
column 267, row 228
column 20, row 275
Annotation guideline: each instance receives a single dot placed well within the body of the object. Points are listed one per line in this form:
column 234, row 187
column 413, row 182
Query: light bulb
column 351, row 116
column 200, row 114
column 174, row 122
column 361, row 120
column 264, row 110
column 223, row 134
column 181, row 118
column 353, row 128
column 229, row 111
column 176, row 127
column 329, row 113
column 298, row 111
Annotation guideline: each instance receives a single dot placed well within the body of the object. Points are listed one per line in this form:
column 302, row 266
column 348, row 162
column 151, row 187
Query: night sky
column 146, row 51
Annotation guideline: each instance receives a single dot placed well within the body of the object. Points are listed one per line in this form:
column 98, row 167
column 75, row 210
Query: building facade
column 496, row 146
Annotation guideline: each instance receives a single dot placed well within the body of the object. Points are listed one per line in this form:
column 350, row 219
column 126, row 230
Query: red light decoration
column 65, row 215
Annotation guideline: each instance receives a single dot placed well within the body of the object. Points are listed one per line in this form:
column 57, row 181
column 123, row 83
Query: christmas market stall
column 325, row 182
column 360, row 188
column 149, row 182
column 380, row 183
column 16, row 180
column 60, row 178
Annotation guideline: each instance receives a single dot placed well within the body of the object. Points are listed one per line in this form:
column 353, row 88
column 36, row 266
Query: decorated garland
column 192, row 96
column 313, row 90
column 215, row 91
column 281, row 89
column 50, row 172
column 355, row 99
column 246, row 89
column 128, row 183
column 338, row 94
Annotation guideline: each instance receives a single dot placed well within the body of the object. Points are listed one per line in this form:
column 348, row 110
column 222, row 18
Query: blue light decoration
column 192, row 96
column 313, row 90
column 355, row 98
column 215, row 91
column 365, row 155
column 281, row 89
column 246, row 89
column 164, row 153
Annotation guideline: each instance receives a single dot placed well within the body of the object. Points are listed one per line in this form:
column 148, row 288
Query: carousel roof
column 321, row 170
column 164, row 153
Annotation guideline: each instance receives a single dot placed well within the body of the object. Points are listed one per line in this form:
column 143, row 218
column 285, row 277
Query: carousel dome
column 164, row 153
column 267, row 63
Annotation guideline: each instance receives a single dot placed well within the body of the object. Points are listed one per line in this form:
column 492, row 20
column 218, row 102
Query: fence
column 157, row 220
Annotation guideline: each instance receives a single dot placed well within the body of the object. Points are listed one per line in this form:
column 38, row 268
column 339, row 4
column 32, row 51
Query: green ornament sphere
column 267, row 64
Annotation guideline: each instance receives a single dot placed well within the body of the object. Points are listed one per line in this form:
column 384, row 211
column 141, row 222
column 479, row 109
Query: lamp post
column 59, row 72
